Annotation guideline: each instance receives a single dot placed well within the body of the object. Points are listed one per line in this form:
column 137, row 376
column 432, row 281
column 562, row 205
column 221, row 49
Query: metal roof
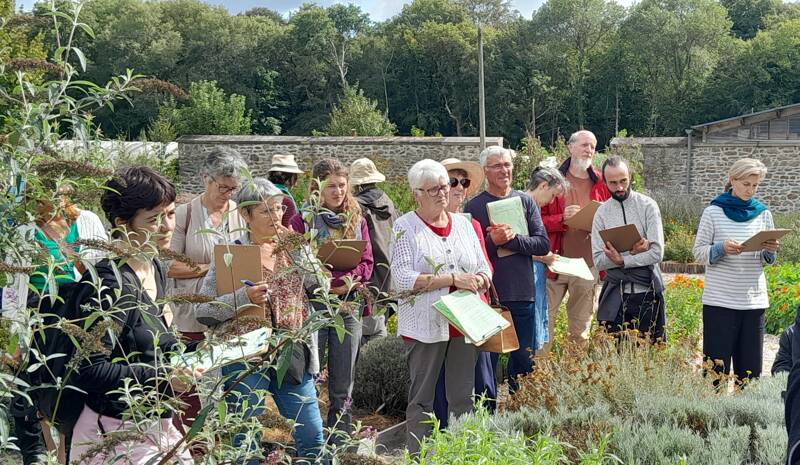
column 741, row 120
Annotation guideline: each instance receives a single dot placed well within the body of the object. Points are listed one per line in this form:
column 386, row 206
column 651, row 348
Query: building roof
column 747, row 119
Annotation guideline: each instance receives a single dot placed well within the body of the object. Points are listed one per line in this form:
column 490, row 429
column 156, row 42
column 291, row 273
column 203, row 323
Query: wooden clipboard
column 622, row 238
column 583, row 219
column 245, row 264
column 341, row 255
column 754, row 243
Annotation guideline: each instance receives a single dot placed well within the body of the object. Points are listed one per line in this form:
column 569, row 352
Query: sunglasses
column 464, row 182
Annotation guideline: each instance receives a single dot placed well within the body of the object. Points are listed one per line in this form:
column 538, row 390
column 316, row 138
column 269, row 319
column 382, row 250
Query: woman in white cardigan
column 434, row 253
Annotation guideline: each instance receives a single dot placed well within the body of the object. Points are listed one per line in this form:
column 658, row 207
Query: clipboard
column 221, row 353
column 583, row 219
column 576, row 267
column 622, row 238
column 245, row 264
column 508, row 211
column 341, row 255
column 754, row 243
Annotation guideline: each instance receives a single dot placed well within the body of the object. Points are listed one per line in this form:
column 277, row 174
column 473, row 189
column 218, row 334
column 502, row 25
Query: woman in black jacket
column 140, row 205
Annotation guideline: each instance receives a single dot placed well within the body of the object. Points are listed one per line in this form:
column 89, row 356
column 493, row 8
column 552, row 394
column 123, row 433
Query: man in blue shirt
column 513, row 274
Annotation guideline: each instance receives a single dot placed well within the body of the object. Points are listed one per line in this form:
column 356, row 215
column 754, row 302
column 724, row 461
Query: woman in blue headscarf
column 735, row 292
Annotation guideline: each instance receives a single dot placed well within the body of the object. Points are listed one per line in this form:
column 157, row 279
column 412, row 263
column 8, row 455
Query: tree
column 267, row 13
column 670, row 48
column 576, row 31
column 331, row 32
column 208, row 112
column 764, row 72
column 749, row 16
column 357, row 115
column 489, row 12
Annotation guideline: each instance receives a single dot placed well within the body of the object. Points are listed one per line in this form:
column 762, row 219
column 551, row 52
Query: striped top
column 733, row 281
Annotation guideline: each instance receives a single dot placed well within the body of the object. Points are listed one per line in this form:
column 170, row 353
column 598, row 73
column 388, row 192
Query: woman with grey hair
column 436, row 252
column 288, row 278
column 215, row 210
column 735, row 293
column 544, row 184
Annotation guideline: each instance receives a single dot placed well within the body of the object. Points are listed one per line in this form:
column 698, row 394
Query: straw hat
column 284, row 164
column 363, row 171
column 473, row 169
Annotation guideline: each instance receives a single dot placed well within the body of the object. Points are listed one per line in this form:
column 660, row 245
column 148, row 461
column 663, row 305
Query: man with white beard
column 585, row 185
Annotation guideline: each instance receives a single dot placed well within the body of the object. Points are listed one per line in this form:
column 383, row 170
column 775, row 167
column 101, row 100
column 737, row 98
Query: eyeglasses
column 500, row 166
column 464, row 182
column 434, row 191
column 279, row 209
column 224, row 190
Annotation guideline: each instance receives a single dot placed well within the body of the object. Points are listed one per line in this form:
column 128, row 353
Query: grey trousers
column 425, row 362
column 342, row 358
column 374, row 327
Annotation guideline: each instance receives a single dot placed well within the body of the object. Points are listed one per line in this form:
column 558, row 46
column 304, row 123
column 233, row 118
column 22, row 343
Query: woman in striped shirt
column 735, row 293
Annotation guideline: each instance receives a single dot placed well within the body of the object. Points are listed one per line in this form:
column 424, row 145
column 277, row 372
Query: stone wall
column 669, row 169
column 392, row 155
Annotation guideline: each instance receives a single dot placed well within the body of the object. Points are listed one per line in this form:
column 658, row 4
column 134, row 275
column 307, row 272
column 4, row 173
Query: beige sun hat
column 473, row 169
column 284, row 164
column 363, row 171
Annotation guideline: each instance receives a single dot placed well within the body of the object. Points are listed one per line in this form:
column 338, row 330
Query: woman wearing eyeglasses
column 465, row 178
column 213, row 210
column 288, row 278
column 435, row 253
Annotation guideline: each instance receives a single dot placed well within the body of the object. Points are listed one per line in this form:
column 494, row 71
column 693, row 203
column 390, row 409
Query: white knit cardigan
column 417, row 250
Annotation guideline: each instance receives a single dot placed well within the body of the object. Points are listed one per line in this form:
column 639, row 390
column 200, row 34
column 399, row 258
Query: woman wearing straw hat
column 465, row 179
column 379, row 211
column 283, row 173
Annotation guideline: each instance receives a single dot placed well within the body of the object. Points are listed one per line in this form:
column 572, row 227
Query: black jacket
column 786, row 352
column 792, row 407
column 140, row 319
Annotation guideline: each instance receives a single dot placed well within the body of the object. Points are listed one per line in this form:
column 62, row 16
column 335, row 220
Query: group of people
column 449, row 242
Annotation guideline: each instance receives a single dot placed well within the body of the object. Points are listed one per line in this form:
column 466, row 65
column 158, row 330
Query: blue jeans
column 297, row 402
column 520, row 361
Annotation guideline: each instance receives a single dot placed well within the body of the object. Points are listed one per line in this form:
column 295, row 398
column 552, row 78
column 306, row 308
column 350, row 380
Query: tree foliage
column 209, row 111
column 653, row 68
column 357, row 115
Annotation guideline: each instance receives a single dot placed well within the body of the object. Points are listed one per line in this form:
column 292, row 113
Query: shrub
column 783, row 282
column 382, row 379
column 651, row 405
column 208, row 112
column 357, row 115
column 679, row 241
column 684, row 310
column 790, row 244
column 476, row 438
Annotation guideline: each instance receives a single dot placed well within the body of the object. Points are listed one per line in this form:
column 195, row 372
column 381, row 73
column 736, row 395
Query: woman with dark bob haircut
column 140, row 205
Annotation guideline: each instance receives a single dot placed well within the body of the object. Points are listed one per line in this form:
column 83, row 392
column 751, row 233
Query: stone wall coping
column 312, row 140
column 696, row 143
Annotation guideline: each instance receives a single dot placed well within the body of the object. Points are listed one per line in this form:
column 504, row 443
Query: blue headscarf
column 737, row 209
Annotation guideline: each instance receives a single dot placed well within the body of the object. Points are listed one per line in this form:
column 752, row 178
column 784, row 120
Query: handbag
column 506, row 340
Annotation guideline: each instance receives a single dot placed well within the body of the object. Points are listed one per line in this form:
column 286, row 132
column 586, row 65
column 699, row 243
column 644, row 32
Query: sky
column 378, row 10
